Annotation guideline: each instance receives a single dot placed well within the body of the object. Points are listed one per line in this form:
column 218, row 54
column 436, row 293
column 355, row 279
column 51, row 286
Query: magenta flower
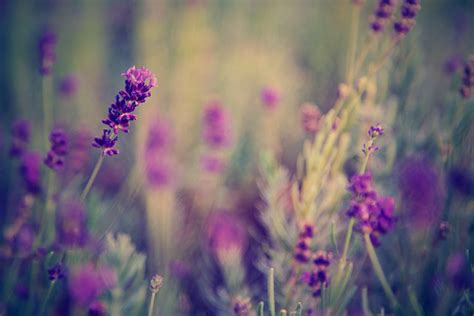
column 212, row 163
column 225, row 233
column 216, row 131
column 270, row 97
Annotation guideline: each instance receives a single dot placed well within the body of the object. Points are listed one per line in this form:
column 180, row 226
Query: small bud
column 156, row 283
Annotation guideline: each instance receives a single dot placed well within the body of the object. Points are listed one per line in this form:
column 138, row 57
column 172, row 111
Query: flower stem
column 271, row 292
column 152, row 303
column 347, row 241
column 378, row 270
column 47, row 107
column 45, row 302
column 91, row 180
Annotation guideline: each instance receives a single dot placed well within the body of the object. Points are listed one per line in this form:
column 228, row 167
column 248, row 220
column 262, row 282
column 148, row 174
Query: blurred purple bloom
column 159, row 171
column 462, row 181
column 160, row 135
column 318, row 277
column 56, row 272
column 59, row 145
column 302, row 251
column 138, row 85
column 270, row 97
column 71, row 224
column 179, row 269
column 47, row 47
column 88, row 282
column 79, row 150
column 420, row 185
column 23, row 240
column 216, row 126
column 242, row 306
column 382, row 15
column 21, row 133
column 467, row 87
column 225, row 233
column 375, row 131
column 30, row 169
column 68, row 86
column 457, row 270
column 97, row 308
column 409, row 10
column 311, row 118
column 453, row 64
column 212, row 163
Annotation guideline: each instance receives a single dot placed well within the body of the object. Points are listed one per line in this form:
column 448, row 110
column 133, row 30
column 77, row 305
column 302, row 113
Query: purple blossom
column 87, row 282
column 318, row 277
column 311, row 118
column 270, row 97
column 71, row 224
column 409, row 10
column 382, row 15
column 138, row 85
column 216, row 126
column 47, row 47
column 225, row 233
column 160, row 135
column 212, row 163
column 97, row 308
column 302, row 252
column 59, row 145
column 376, row 131
column 242, row 306
column 30, row 169
column 374, row 214
column 68, row 86
column 56, row 272
column 159, row 171
column 79, row 149
column 21, row 133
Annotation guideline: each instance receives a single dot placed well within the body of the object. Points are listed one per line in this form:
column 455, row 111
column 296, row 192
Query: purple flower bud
column 216, row 131
column 56, row 272
column 408, row 10
column 30, row 170
column 375, row 131
column 242, row 306
column 212, row 163
column 225, row 233
column 68, row 86
column 21, row 133
column 382, row 15
column 58, row 151
column 47, row 47
column 270, row 97
column 71, row 229
column 97, row 308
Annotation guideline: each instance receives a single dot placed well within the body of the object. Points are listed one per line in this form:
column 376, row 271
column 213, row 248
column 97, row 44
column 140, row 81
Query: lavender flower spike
column 59, row 143
column 138, row 83
column 47, row 52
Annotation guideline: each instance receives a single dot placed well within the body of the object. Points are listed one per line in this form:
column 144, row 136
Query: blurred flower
column 138, row 84
column 242, row 306
column 443, row 230
column 88, row 282
column 56, row 272
column 382, row 15
column 159, row 172
column 78, row 155
column 21, row 133
column 216, row 126
column 462, row 181
column 270, row 97
column 160, row 135
column 47, row 47
column 97, row 308
column 457, row 270
column 302, row 252
column 71, row 225
column 318, row 277
column 409, row 10
column 156, row 283
column 374, row 214
column 310, row 118
column 453, row 64
column 68, row 86
column 212, row 163
column 225, row 234
column 23, row 240
column 59, row 143
column 419, row 182
column 179, row 269
column 467, row 87
column 30, row 169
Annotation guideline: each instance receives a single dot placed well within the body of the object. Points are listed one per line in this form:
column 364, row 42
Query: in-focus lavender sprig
column 138, row 85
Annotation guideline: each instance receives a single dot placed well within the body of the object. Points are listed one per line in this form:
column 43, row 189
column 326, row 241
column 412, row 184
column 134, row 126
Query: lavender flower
column 242, row 306
column 225, row 234
column 59, row 143
column 68, row 86
column 302, row 252
column 374, row 132
column 270, row 97
column 374, row 214
column 156, row 283
column 78, row 155
column 310, row 118
column 216, row 126
column 382, row 15
column 47, row 47
column 138, row 85
column 212, row 163
column 56, row 272
column 30, row 169
column 71, row 229
column 318, row 277
column 409, row 10
column 159, row 171
column 23, row 240
column 97, row 308
column 467, row 88
column 21, row 133
column 87, row 282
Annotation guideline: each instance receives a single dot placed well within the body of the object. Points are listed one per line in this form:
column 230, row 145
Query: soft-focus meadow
column 310, row 157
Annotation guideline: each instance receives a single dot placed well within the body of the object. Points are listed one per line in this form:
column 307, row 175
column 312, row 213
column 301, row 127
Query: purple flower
column 409, row 10
column 270, row 97
column 225, row 233
column 160, row 135
column 212, row 163
column 23, row 240
column 97, row 308
column 30, row 169
column 138, row 85
column 467, row 87
column 216, row 126
column 59, row 144
column 68, row 86
column 318, row 277
column 47, row 47
column 56, row 272
column 88, row 282
column 374, row 214
column 21, row 133
column 159, row 171
column 375, row 131
column 382, row 15
column 79, row 150
column 71, row 224
column 302, row 251
column 242, row 306
column 310, row 118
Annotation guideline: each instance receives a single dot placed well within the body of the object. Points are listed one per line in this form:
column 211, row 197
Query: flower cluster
column 310, row 118
column 382, row 15
column 59, row 143
column 408, row 11
column 56, row 272
column 270, row 97
column 68, row 86
column 242, row 306
column 47, row 47
column 30, row 169
column 21, row 133
column 138, row 84
column 467, row 88
column 302, row 252
column 374, row 214
column 156, row 283
column 318, row 277
column 374, row 132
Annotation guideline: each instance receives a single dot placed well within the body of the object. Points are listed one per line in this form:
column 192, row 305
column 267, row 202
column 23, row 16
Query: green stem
column 260, row 309
column 347, row 241
column 378, row 270
column 365, row 303
column 46, row 83
column 152, row 303
column 414, row 302
column 91, row 180
column 45, row 302
column 271, row 292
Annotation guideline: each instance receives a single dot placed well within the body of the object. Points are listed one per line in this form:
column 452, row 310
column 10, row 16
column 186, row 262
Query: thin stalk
column 364, row 163
column 365, row 303
column 347, row 241
column 152, row 303
column 414, row 302
column 378, row 270
column 46, row 86
column 91, row 180
column 271, row 292
column 260, row 309
column 45, row 302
